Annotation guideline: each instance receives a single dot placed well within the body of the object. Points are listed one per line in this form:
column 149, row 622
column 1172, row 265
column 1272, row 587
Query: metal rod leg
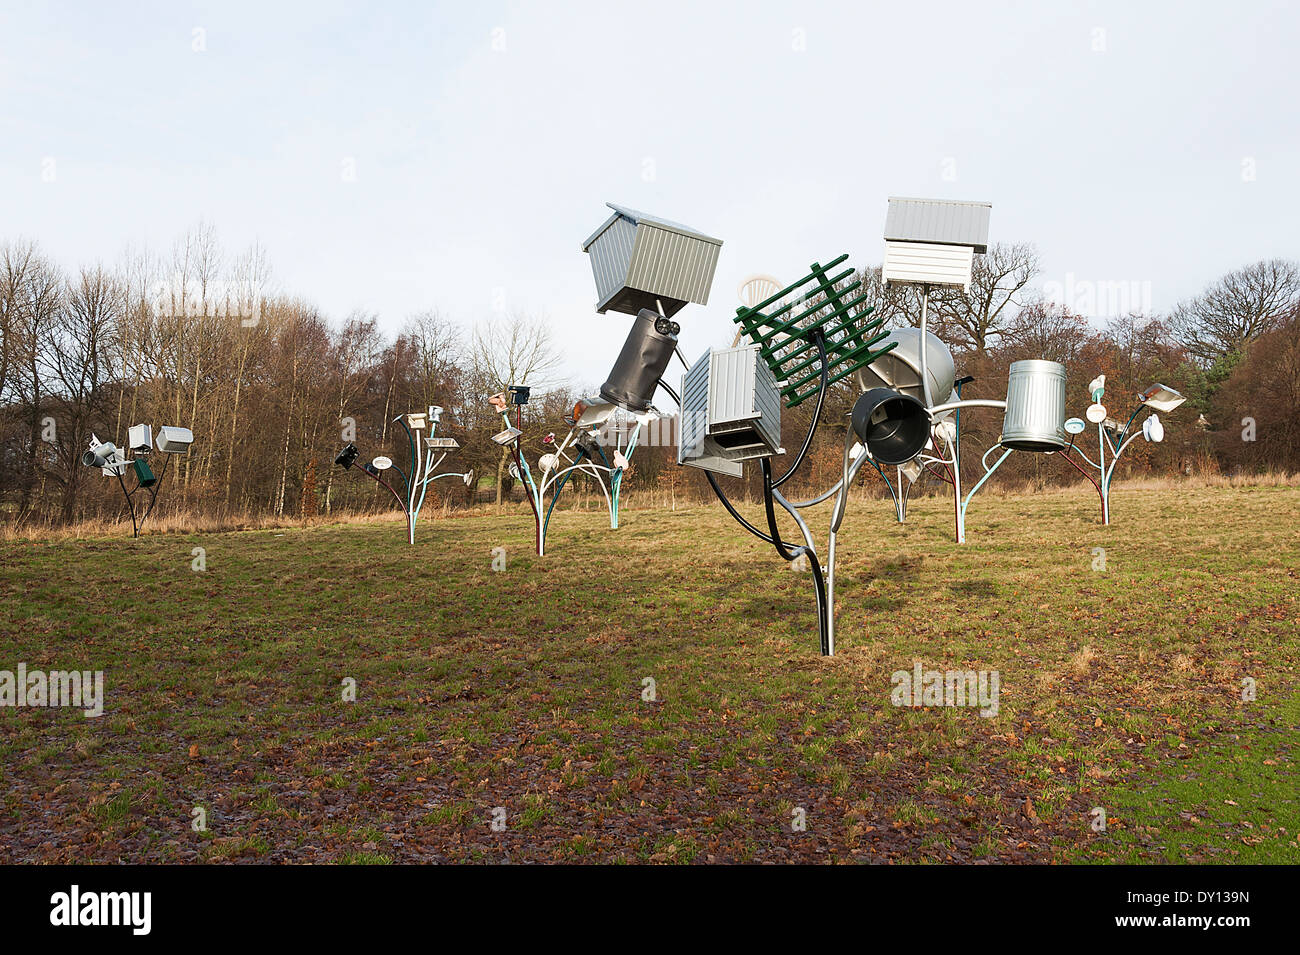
column 828, row 643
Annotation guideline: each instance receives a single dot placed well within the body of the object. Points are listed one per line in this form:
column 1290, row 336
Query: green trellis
column 787, row 338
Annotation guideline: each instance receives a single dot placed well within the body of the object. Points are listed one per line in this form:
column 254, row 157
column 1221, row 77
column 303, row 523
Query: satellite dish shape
column 382, row 463
column 1162, row 398
column 757, row 289
column 1096, row 412
column 549, row 461
column 469, row 478
column 1074, row 426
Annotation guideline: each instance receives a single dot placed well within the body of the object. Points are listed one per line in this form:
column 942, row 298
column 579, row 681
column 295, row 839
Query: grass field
column 519, row 697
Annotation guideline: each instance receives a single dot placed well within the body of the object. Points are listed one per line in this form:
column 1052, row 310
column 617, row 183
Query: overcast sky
column 397, row 157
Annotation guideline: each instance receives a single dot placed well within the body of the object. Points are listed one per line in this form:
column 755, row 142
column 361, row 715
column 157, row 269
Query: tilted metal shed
column 933, row 241
column 731, row 410
column 639, row 259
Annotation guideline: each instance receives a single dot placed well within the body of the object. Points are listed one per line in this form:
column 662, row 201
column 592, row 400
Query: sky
column 401, row 157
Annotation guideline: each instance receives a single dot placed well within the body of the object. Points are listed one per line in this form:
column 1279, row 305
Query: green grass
column 522, row 690
column 1235, row 800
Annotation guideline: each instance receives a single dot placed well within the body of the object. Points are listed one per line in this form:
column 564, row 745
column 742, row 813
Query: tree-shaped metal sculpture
column 1111, row 435
column 425, row 458
column 115, row 462
column 811, row 335
column 932, row 243
column 811, row 338
column 586, row 449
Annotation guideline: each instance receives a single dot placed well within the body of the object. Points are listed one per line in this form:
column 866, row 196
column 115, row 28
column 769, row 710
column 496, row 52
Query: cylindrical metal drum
column 1035, row 418
column 900, row 368
column 640, row 365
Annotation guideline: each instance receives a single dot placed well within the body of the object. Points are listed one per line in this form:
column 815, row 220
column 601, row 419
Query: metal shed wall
column 695, row 405
column 694, row 447
column 641, row 261
column 742, row 389
column 671, row 265
column 939, row 220
column 925, row 263
column 610, row 252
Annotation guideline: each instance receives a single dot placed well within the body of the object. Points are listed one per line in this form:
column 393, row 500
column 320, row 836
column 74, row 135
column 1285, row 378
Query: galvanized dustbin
column 1035, row 418
column 640, row 365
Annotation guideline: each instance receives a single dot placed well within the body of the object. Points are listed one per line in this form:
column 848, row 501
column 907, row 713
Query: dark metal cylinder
column 640, row 365
column 893, row 425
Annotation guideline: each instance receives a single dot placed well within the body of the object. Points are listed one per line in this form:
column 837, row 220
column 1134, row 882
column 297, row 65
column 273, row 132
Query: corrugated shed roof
column 656, row 221
column 942, row 221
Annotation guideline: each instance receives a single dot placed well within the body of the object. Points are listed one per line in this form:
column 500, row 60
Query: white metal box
column 731, row 410
column 174, row 440
column 942, row 221
column 927, row 263
column 140, row 438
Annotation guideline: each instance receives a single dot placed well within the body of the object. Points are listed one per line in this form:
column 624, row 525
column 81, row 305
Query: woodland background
column 93, row 351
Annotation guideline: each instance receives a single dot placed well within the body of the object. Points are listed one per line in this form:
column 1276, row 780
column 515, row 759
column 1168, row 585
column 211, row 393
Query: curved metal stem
column 135, row 528
column 967, row 403
column 788, row 555
column 988, row 473
column 819, row 338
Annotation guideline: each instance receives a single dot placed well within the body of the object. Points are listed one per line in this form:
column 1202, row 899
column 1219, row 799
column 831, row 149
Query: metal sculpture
column 425, row 458
column 811, row 337
column 792, row 346
column 1155, row 399
column 931, row 243
column 592, row 447
column 115, row 462
column 1036, row 390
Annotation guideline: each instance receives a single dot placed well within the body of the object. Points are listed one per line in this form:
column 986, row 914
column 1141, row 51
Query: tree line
column 272, row 388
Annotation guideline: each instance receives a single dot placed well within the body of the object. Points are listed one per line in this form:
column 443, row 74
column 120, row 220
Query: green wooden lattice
column 787, row 335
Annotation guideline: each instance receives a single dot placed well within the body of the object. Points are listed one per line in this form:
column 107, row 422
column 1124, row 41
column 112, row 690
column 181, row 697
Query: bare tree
column 511, row 351
column 900, row 305
column 1236, row 309
column 33, row 291
column 251, row 276
column 988, row 309
column 1045, row 330
column 80, row 354
column 436, row 347
column 356, row 351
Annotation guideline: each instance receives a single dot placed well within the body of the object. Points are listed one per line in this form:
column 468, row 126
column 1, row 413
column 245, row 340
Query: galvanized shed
column 731, row 410
column 934, row 241
column 639, row 259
